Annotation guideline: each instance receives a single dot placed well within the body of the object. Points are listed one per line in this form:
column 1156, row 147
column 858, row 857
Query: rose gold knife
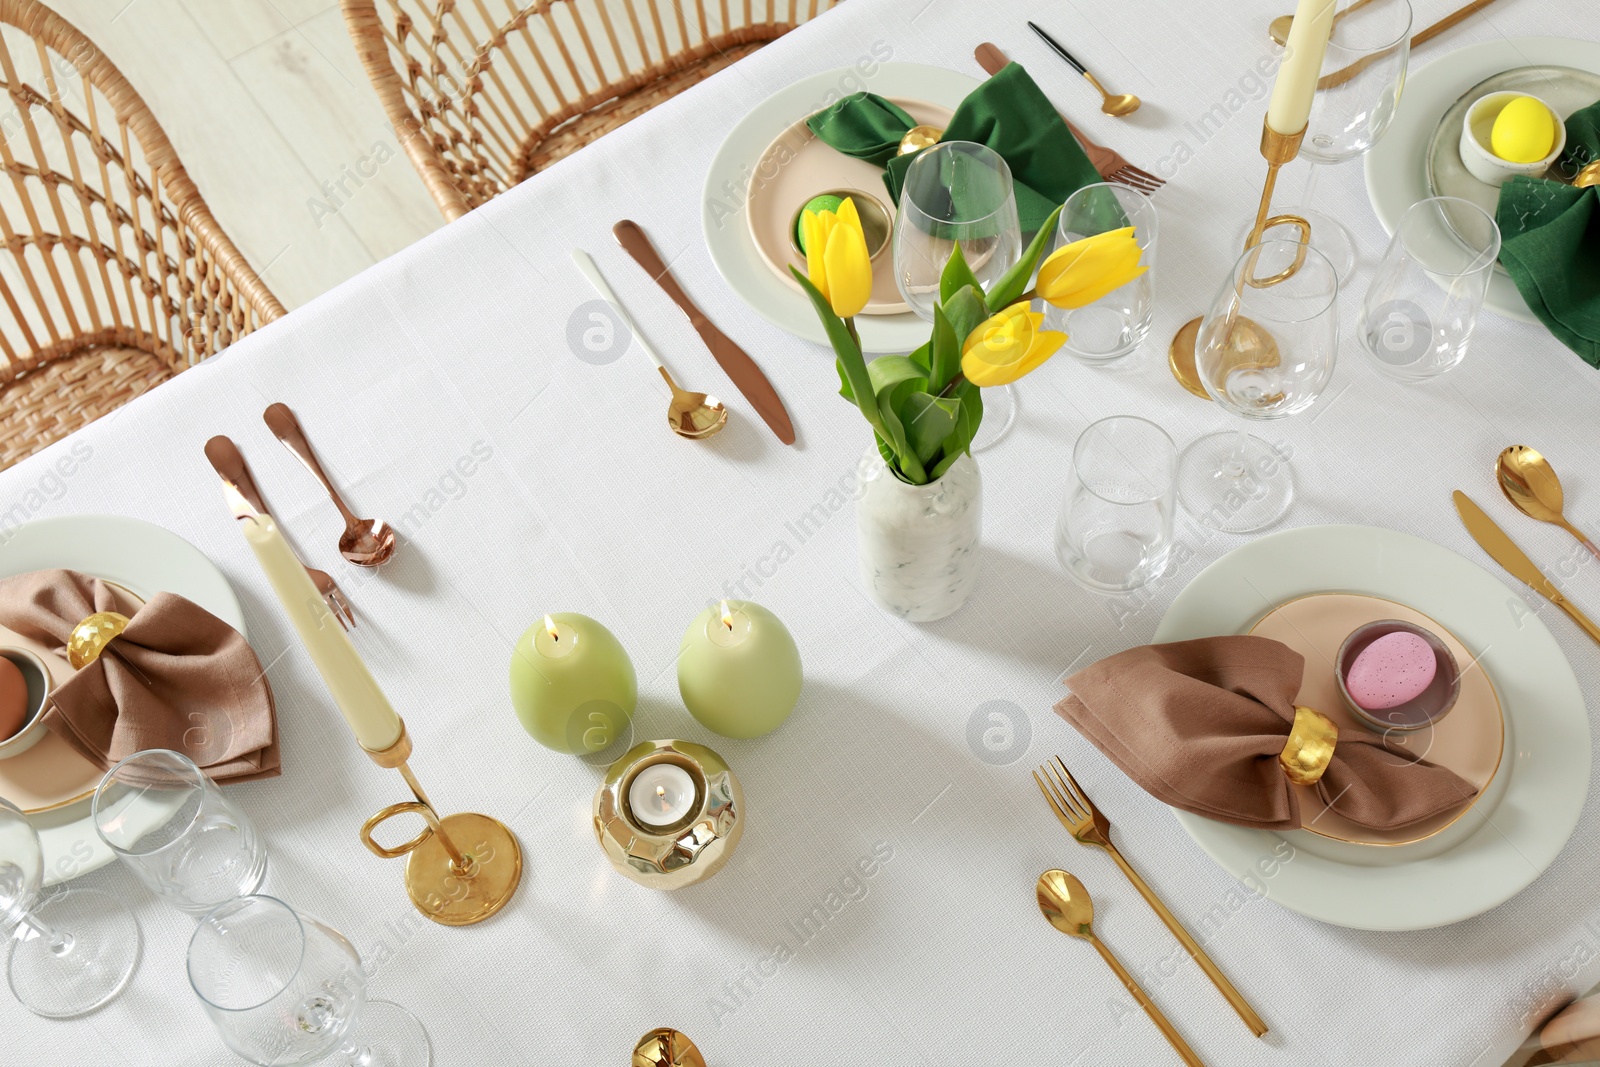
column 739, row 367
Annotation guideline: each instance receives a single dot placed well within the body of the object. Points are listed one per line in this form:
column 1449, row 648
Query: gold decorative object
column 919, row 137
column 91, row 636
column 665, row 1047
column 1309, row 750
column 1065, row 904
column 1088, row 826
column 1250, row 343
column 684, row 852
column 461, row 868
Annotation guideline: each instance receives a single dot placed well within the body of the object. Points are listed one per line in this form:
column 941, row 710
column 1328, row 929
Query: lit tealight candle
column 572, row 683
column 739, row 669
column 661, row 794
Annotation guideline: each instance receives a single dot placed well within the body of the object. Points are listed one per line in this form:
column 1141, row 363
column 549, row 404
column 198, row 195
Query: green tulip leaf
column 889, row 403
column 969, row 416
column 887, row 372
column 929, row 421
column 965, row 312
column 944, row 352
column 957, row 275
column 852, row 368
column 1014, row 282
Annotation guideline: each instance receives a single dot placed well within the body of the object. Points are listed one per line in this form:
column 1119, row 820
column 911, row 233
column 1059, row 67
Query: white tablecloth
column 457, row 347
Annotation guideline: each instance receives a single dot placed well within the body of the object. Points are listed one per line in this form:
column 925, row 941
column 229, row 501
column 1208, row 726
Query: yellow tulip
column 1008, row 346
column 836, row 258
column 1082, row 272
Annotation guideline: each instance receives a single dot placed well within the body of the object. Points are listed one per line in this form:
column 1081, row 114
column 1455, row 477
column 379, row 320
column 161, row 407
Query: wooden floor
column 274, row 118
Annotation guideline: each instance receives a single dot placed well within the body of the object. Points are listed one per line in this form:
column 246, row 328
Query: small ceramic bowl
column 37, row 676
column 875, row 222
column 1481, row 161
column 1428, row 707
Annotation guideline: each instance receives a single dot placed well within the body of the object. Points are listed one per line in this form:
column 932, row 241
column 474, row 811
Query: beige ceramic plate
column 1469, row 740
column 51, row 774
column 797, row 166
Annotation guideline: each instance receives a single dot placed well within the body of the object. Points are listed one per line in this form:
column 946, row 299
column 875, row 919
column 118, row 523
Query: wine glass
column 1114, row 530
column 73, row 950
column 1265, row 351
column 1367, row 55
column 1109, row 328
column 958, row 192
column 283, row 988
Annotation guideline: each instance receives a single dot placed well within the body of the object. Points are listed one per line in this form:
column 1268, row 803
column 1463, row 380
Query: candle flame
column 550, row 627
column 727, row 615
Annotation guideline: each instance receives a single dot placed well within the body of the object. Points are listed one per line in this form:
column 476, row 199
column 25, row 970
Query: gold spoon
column 692, row 415
column 1113, row 104
column 665, row 1047
column 1530, row 483
column 365, row 542
column 1067, row 907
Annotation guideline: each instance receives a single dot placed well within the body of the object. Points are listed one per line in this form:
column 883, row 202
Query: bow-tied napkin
column 1008, row 113
column 1199, row 725
column 178, row 677
column 1550, row 242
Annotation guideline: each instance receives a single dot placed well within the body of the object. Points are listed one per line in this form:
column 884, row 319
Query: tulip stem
column 1029, row 297
column 951, row 387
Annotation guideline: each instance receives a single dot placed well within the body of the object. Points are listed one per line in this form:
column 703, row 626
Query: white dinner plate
column 1397, row 167
column 1524, row 819
column 733, row 169
column 145, row 559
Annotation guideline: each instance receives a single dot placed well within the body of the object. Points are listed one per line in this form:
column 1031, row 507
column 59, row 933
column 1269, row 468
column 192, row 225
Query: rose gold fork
column 1085, row 823
column 1111, row 165
column 229, row 462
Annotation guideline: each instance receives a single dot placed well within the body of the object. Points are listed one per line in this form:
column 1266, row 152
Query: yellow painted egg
column 1524, row 131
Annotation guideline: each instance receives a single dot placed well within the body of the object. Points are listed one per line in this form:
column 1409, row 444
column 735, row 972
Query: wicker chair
column 118, row 276
column 481, row 99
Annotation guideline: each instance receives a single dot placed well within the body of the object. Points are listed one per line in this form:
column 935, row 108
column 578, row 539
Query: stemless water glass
column 171, row 825
column 1367, row 55
column 283, row 988
column 72, row 951
column 1116, row 324
column 1423, row 302
column 1265, row 351
column 958, row 192
column 1114, row 532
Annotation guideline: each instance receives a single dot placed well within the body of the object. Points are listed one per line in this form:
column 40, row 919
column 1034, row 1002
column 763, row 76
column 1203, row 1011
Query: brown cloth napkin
column 177, row 678
column 1199, row 725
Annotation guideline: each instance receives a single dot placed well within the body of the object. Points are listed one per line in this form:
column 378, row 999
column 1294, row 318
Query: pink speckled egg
column 1394, row 669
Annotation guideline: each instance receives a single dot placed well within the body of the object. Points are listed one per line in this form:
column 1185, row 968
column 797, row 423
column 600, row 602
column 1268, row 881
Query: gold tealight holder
column 697, row 792
column 461, row 868
column 1249, row 343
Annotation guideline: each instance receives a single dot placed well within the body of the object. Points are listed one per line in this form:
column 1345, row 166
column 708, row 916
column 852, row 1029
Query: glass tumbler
column 1422, row 306
column 171, row 826
column 71, row 951
column 1114, row 532
column 283, row 988
column 1117, row 323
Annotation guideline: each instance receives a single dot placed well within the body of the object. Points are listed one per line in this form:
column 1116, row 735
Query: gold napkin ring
column 91, row 636
column 917, row 138
column 1309, row 750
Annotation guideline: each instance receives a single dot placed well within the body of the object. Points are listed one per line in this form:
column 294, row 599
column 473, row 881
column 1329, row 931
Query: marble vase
column 918, row 544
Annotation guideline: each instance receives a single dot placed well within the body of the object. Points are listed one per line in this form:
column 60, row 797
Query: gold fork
column 228, row 461
column 1085, row 823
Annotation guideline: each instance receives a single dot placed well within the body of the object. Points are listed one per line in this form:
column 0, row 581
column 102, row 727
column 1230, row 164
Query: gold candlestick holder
column 1249, row 344
column 461, row 868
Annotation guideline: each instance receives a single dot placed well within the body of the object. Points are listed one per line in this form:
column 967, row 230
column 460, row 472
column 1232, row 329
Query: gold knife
column 1505, row 552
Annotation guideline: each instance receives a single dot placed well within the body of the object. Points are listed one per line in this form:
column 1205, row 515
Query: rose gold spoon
column 365, row 542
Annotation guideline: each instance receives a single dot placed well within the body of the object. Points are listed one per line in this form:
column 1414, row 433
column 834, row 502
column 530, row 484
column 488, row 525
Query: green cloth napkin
column 1550, row 242
column 1008, row 113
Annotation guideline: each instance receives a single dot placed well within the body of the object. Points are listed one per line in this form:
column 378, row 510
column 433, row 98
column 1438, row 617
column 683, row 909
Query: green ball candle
column 572, row 684
column 815, row 206
column 739, row 669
